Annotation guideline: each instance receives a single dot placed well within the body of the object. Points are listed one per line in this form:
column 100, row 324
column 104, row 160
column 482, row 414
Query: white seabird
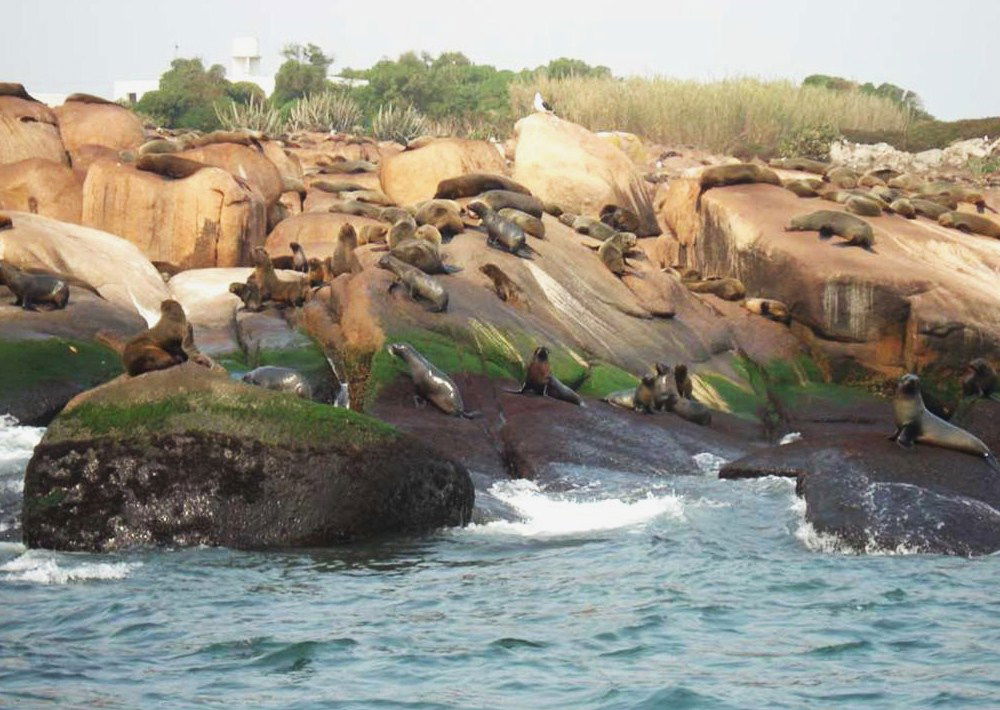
column 541, row 105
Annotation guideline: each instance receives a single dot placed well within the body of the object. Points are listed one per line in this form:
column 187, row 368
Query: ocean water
column 605, row 590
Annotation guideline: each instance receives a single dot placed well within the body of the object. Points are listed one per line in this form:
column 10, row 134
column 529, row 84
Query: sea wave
column 41, row 567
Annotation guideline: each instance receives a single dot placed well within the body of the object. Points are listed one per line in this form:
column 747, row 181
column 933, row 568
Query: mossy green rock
column 188, row 456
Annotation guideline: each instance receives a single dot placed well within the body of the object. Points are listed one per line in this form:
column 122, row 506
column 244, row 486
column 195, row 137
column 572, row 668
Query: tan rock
column 108, row 125
column 315, row 231
column 207, row 219
column 413, row 176
column 42, row 187
column 244, row 162
column 28, row 129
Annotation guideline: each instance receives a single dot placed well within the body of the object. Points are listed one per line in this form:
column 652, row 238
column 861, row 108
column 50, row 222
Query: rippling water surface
column 610, row 590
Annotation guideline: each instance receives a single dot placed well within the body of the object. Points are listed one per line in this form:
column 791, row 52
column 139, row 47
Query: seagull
column 541, row 105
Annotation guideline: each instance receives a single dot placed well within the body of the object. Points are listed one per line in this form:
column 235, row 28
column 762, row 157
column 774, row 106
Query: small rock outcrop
column 43, row 187
column 28, row 129
column 413, row 175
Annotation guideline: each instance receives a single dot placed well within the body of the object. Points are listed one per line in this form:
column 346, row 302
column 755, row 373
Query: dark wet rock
column 187, row 456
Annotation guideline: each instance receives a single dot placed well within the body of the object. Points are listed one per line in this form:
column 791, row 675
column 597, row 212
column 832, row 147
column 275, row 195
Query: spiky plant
column 392, row 123
column 328, row 111
column 255, row 115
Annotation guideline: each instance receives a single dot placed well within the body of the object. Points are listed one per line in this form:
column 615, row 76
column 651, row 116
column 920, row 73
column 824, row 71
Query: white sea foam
column 833, row 545
column 553, row 514
column 709, row 463
column 16, row 444
column 43, row 567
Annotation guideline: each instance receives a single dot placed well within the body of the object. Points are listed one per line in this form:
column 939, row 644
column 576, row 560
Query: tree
column 904, row 98
column 187, row 95
column 566, row 67
column 303, row 73
column 242, row 92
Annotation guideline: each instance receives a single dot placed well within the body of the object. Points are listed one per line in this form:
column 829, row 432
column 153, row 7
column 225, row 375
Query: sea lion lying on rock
column 621, row 219
column 168, row 165
column 531, row 225
column 505, row 288
column 855, row 230
column 801, row 188
column 355, row 208
column 443, row 214
column 728, row 289
column 474, row 184
column 904, row 208
column 769, row 308
column 432, row 385
column 807, row 165
column 926, row 208
column 280, row 379
column 970, row 223
column 170, row 342
column 665, row 393
column 499, row 199
column 841, row 177
column 735, row 174
column 424, row 255
column 33, row 290
column 862, row 206
column 418, row 284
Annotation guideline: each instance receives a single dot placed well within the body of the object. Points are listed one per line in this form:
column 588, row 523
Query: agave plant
column 255, row 115
column 328, row 111
column 402, row 125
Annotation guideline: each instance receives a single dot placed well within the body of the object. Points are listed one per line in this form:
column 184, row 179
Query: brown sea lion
column 498, row 199
column 769, row 308
column 319, row 274
column 841, row 177
column 443, row 214
column 801, row 188
column 280, row 379
column 86, row 99
column 531, row 225
column 33, row 290
column 869, row 180
column 432, row 385
column 393, row 214
column 159, row 146
column 372, row 234
column 348, row 167
column 288, row 293
column 552, row 208
column 537, row 374
column 353, row 207
column 979, row 379
column 855, row 230
column 247, row 138
column 418, row 284
column 621, row 219
column 970, row 223
column 168, row 165
column 428, row 233
column 614, row 250
column 592, row 227
column 424, row 255
column 502, row 233
column 170, row 342
column 569, row 219
column 249, row 293
column 943, row 199
column 371, row 197
column 344, row 260
column 10, row 88
column 335, row 186
column 296, row 262
column 645, row 393
column 862, row 206
column 474, row 184
column 958, row 193
column 665, row 393
column 926, row 208
column 728, row 289
column 693, row 411
column 736, row 174
column 904, row 208
column 685, row 388
column 807, row 165
column 914, row 424
column 402, row 230
column 887, row 194
column 503, row 285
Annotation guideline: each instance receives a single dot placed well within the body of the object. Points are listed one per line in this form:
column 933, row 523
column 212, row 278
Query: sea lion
column 564, row 393
column 530, row 225
column 914, row 424
column 292, row 183
column 474, row 184
column 884, row 174
column 370, row 197
column 943, row 199
column 248, row 138
column 625, row 399
column 319, row 274
column 249, row 293
column 443, row 214
column 428, row 233
column 552, row 208
column 592, row 227
column 958, row 193
column 159, row 146
column 505, row 288
column 498, row 199
column 5, row 222
column 612, row 254
column 693, row 411
column 417, row 283
column 801, row 188
column 289, row 293
column 33, row 290
column 336, row 186
column 665, row 393
column 280, row 379
column 432, row 385
column 863, row 206
column 393, row 214
column 170, row 342
column 926, row 208
column 735, row 174
column 569, row 219
column 970, row 223
column 807, row 165
column 168, row 165
column 502, row 233
column 344, row 260
column 348, row 167
column 372, row 234
column 424, row 255
column 644, row 398
column 87, row 99
column 682, row 379
column 10, row 88
column 979, row 379
column 887, row 194
column 537, row 374
column 841, row 177
column 402, row 230
column 296, row 262
column 904, row 208
column 855, row 230
column 620, row 219
column 769, row 308
column 728, row 289
column 353, row 207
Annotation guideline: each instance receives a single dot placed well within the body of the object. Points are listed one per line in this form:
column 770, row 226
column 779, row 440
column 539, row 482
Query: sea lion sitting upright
column 685, row 388
column 665, row 393
column 613, row 251
column 432, row 385
column 280, row 379
column 249, row 293
column 914, row 424
column 645, row 392
column 417, row 283
column 855, row 230
column 319, row 274
column 296, row 262
column 344, row 260
column 979, row 379
column 290, row 293
column 537, row 374
column 970, row 223
column 170, row 342
column 405, row 228
column 504, row 286
column 502, row 233
column 33, row 290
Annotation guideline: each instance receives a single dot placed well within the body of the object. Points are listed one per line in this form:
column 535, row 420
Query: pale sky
column 942, row 50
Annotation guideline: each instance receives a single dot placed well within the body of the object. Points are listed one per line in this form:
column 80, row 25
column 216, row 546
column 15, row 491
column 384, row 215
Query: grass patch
column 928, row 134
column 30, row 363
column 603, row 379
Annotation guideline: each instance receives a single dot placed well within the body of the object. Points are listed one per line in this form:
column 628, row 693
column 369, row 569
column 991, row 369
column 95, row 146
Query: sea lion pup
column 728, row 289
column 552, row 208
column 769, row 308
column 504, row 286
column 979, row 379
column 280, row 379
column 393, row 214
column 159, row 146
column 336, row 186
column 344, row 260
column 170, row 342
column 682, row 379
column 168, row 165
column 443, row 214
column 863, row 206
column 319, row 274
column 428, row 233
column 530, row 225
column 424, row 255
column 621, row 219
column 348, row 167
column 801, row 188
column 855, row 230
column 904, row 208
column 502, row 233
column 498, row 199
column 841, row 177
column 249, row 293
column 665, row 393
column 537, row 374
column 645, row 392
column 926, row 208
column 418, row 284
column 296, row 262
column 33, row 290
column 970, row 223
column 914, row 424
column 693, row 411
column 402, row 230
column 372, row 234
column 432, row 385
column 289, row 293
column 735, row 174
column 474, row 184
column 807, row 165
column 353, row 207
column 887, row 194
column 592, row 227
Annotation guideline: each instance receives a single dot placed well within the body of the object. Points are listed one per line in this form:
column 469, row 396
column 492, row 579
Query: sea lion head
column 648, row 380
column 908, row 386
column 237, row 288
column 172, row 309
column 663, row 368
column 400, row 350
column 541, row 353
column 348, row 234
column 479, row 208
column 384, row 261
column 295, row 246
column 980, row 366
column 259, row 256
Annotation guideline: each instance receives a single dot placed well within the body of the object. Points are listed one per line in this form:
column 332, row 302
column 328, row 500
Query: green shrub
column 809, row 142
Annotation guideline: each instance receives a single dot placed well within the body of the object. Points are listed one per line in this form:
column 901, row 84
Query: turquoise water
column 610, row 590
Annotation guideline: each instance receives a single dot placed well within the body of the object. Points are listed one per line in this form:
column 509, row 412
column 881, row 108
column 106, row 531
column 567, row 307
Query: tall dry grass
column 719, row 116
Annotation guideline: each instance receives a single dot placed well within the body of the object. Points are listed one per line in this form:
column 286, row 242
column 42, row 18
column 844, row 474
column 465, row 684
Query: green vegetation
column 809, row 142
column 32, row 363
column 255, row 115
column 327, row 111
column 400, row 124
column 303, row 74
column 603, row 379
column 904, row 98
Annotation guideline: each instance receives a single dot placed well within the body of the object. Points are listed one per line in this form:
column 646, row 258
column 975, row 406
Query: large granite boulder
column 100, row 124
column 28, row 129
column 413, row 175
column 42, row 186
column 316, row 232
column 207, row 219
column 188, row 456
column 241, row 161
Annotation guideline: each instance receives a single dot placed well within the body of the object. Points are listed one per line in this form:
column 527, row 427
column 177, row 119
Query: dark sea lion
column 841, row 177
column 728, row 289
column 645, row 392
column 537, row 374
column 904, row 208
column 979, row 379
column 612, row 255
column 855, row 230
column 296, row 262
column 418, row 284
column 280, row 379
column 926, row 208
column 682, row 379
column 502, row 233
column 735, row 174
column 405, row 228
column 10, row 88
column 33, row 290
column 170, row 342
column 344, row 260
column 503, row 285
column 443, row 214
column 474, row 184
column 499, row 199
column 319, row 274
column 693, row 411
column 914, row 424
column 289, row 293
column 970, row 223
column 558, row 390
column 807, row 165
column 424, row 255
column 249, row 293
column 432, row 384
column 531, row 225
column 863, row 206
column 769, row 308
column 665, row 393
column 87, row 99
column 800, row 188
column 621, row 219
column 5, row 222
column 168, row 165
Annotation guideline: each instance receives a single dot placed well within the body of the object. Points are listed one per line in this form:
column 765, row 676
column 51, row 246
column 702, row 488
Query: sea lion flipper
column 908, row 436
column 895, row 435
